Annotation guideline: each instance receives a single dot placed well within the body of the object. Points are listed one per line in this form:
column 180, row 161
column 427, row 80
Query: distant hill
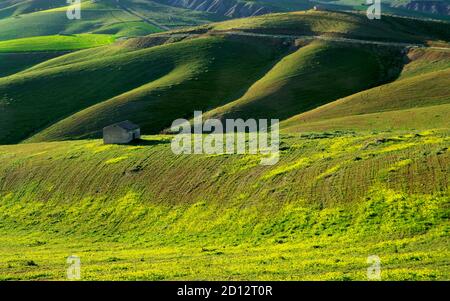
column 433, row 7
column 247, row 8
column 231, row 8
column 26, row 18
column 96, row 18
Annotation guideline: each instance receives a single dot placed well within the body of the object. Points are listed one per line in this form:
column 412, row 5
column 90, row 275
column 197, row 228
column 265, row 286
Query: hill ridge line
column 305, row 37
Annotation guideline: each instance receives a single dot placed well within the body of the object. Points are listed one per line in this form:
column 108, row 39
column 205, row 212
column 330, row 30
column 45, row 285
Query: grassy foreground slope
column 141, row 212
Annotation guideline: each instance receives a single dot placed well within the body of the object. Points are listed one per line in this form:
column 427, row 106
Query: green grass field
column 185, row 217
column 56, row 43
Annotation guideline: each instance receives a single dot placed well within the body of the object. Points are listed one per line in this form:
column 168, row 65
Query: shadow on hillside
column 145, row 142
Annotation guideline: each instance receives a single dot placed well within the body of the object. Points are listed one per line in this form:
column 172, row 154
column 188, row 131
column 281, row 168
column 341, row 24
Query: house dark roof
column 126, row 125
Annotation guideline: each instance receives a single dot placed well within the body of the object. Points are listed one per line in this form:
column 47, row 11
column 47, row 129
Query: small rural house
column 121, row 133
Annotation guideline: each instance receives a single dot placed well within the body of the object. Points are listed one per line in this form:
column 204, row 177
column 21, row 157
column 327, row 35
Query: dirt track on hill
column 145, row 19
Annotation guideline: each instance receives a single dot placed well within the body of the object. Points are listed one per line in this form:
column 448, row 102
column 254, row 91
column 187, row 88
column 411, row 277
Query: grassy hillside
column 423, row 82
column 315, row 74
column 287, row 81
column 96, row 17
column 421, row 61
column 153, row 85
column 30, row 18
column 351, row 25
column 156, row 79
column 331, row 201
column 10, row 8
column 435, row 116
column 169, row 16
column 11, row 63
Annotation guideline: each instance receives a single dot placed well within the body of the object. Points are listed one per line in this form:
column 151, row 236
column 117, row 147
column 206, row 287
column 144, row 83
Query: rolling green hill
column 136, row 17
column 11, row 63
column 281, row 82
column 315, row 74
column 96, row 18
column 30, row 18
column 339, row 24
column 154, row 80
column 203, row 72
column 156, row 84
column 403, row 119
column 9, row 8
column 424, row 82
